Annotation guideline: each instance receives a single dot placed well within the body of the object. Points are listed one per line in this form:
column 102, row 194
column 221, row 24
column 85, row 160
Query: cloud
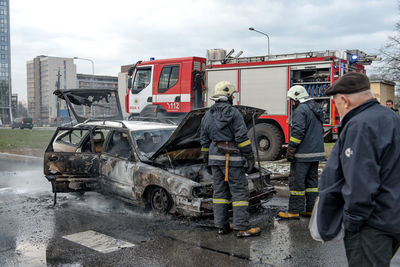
column 119, row 32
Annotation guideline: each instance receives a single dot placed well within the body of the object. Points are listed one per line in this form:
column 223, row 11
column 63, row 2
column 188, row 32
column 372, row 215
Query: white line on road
column 98, row 241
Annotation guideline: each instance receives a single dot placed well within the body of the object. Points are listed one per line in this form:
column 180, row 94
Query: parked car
column 157, row 165
column 22, row 123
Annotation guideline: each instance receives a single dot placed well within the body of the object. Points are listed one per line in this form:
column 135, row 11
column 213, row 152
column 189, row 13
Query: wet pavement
column 97, row 230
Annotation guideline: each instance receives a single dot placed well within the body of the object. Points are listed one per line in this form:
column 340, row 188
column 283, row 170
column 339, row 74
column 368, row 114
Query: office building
column 5, row 63
column 44, row 75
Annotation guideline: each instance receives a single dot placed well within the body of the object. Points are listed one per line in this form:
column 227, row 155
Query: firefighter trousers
column 303, row 186
column 235, row 191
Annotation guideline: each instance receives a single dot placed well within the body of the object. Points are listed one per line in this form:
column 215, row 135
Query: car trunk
column 93, row 104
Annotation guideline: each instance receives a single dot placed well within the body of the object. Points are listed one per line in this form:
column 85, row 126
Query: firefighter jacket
column 360, row 184
column 307, row 133
column 224, row 123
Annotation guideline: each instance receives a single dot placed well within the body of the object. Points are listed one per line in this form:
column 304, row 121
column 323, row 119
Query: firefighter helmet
column 224, row 88
column 297, row 92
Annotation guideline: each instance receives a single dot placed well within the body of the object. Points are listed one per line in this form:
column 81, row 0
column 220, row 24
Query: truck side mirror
column 130, row 83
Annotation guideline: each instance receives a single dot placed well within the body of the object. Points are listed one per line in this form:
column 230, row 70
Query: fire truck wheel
column 269, row 140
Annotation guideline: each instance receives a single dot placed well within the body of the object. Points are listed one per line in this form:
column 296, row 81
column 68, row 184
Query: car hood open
column 187, row 134
column 95, row 104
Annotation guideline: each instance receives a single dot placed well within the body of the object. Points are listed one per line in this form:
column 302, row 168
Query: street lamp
column 92, row 68
column 252, row 29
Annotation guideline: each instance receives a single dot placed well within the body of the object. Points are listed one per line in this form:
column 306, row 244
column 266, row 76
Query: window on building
column 168, row 78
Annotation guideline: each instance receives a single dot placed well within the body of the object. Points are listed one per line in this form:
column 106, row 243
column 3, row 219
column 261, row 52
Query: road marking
column 98, row 241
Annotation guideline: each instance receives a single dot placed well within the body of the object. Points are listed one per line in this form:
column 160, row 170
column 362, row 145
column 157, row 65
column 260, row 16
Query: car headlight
column 202, row 191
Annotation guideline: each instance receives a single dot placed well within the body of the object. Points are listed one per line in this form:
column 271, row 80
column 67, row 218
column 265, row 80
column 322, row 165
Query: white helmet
column 297, row 92
column 224, row 88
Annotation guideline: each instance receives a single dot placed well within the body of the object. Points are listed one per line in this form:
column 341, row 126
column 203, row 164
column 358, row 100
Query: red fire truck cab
column 176, row 86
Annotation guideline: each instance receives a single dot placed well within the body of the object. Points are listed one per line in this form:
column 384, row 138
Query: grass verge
column 29, row 142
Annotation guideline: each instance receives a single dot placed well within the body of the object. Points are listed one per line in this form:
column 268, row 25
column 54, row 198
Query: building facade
column 44, row 75
column 123, row 87
column 383, row 90
column 14, row 105
column 96, row 81
column 5, row 63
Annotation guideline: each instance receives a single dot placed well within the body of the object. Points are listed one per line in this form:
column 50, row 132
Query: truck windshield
column 141, row 80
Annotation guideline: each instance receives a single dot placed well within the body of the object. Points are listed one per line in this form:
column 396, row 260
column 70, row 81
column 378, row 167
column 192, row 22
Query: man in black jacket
column 360, row 185
column 224, row 141
column 304, row 151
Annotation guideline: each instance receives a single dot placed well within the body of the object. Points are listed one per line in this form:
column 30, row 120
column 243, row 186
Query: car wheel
column 160, row 201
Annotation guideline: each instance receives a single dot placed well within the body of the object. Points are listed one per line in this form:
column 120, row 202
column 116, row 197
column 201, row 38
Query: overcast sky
column 120, row 32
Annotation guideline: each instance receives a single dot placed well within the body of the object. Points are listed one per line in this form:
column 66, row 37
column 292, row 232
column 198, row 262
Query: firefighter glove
column 249, row 165
column 290, row 153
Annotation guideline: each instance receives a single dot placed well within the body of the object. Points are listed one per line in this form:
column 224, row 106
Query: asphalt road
column 97, row 230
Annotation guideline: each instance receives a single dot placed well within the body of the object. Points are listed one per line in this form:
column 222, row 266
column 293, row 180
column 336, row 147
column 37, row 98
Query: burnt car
column 157, row 165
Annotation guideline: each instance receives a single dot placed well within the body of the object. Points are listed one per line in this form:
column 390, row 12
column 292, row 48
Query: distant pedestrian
column 389, row 104
column 360, row 185
column 304, row 151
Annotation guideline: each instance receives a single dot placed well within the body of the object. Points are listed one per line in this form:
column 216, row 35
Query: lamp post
column 252, row 29
column 92, row 68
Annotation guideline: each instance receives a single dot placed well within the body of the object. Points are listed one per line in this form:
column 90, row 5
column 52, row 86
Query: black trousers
column 235, row 192
column 303, row 186
column 370, row 247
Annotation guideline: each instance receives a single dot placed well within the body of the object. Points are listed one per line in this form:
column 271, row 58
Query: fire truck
column 175, row 86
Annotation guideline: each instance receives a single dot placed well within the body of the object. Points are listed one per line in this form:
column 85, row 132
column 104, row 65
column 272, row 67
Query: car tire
column 159, row 200
column 269, row 140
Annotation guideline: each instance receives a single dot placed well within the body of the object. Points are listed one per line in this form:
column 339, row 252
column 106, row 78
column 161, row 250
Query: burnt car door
column 118, row 165
column 71, row 163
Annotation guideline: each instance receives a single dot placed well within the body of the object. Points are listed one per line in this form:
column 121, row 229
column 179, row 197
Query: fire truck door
column 168, row 93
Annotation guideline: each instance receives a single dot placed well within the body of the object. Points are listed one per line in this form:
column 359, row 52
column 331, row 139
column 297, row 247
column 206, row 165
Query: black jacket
column 360, row 184
column 223, row 122
column 307, row 132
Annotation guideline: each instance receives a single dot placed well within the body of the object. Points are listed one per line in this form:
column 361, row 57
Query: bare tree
column 389, row 68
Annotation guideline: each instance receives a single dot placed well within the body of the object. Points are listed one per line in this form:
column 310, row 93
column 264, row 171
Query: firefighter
column 304, row 151
column 227, row 149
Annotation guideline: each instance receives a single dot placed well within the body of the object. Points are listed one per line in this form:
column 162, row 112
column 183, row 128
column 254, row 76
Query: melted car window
column 119, row 145
column 68, row 141
column 149, row 141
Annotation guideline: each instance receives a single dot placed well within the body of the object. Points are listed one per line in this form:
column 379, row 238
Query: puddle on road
column 24, row 181
column 281, row 243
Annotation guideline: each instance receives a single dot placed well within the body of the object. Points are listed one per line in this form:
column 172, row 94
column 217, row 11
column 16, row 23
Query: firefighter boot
column 251, row 232
column 306, row 213
column 226, row 229
column 285, row 215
